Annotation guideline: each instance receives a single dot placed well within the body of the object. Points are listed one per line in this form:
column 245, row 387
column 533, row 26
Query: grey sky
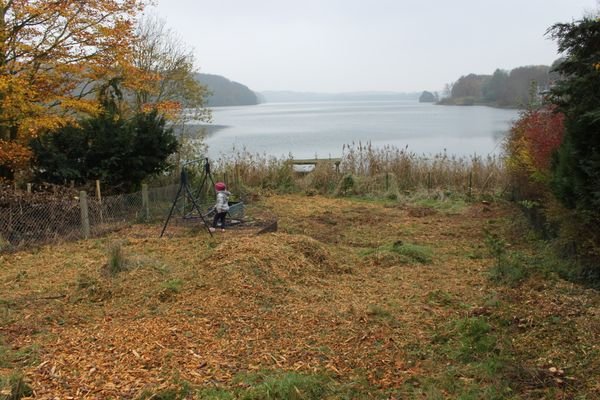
column 357, row 45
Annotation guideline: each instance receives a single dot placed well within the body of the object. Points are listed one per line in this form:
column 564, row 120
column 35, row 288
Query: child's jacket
column 222, row 201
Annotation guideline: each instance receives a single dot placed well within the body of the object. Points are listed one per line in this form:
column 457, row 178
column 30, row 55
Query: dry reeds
column 385, row 171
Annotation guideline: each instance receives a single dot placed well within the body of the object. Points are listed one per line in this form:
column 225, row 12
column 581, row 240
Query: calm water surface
column 306, row 130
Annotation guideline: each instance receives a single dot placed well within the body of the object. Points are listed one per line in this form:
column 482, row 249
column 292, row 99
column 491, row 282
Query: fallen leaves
column 303, row 300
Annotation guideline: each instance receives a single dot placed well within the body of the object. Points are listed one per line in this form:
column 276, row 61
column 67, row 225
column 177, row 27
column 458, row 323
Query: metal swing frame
column 185, row 190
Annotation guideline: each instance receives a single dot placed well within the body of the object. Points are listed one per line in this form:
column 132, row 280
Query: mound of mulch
column 191, row 308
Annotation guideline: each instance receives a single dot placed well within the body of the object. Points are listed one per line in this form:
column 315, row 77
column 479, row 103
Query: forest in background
column 511, row 89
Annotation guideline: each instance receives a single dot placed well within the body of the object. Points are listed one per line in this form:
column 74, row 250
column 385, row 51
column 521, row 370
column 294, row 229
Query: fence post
column 99, row 198
column 145, row 201
column 85, row 218
column 98, row 193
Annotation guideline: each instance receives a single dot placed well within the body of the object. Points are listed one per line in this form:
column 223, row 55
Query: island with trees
column 428, row 97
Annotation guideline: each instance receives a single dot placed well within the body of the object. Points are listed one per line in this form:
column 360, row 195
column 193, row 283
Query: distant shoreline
column 448, row 102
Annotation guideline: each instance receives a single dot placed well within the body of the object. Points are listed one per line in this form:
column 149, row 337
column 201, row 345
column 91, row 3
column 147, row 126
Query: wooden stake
column 99, row 198
column 98, row 192
column 85, row 218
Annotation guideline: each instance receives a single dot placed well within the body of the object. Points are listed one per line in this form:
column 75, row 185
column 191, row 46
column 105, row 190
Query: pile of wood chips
column 191, row 308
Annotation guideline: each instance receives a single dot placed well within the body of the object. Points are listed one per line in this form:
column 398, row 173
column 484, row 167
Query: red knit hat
column 220, row 186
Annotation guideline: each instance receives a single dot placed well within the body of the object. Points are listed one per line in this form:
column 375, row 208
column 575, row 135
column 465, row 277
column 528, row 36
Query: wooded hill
column 501, row 89
column 225, row 92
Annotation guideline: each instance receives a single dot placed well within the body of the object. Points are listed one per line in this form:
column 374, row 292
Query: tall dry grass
column 373, row 171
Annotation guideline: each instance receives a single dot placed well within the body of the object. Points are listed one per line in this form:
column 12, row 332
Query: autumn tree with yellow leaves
column 160, row 54
column 53, row 54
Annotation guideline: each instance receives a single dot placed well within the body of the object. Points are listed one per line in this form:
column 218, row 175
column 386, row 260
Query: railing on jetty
column 315, row 161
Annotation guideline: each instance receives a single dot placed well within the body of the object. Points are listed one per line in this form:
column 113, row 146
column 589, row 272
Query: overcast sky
column 364, row 45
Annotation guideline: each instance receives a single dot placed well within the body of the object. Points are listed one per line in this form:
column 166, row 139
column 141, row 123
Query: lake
column 320, row 129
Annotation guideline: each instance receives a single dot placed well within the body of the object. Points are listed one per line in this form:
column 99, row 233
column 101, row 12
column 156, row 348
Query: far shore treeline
column 511, row 89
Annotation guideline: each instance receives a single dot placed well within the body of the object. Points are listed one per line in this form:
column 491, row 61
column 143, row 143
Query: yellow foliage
column 13, row 156
column 49, row 71
column 169, row 109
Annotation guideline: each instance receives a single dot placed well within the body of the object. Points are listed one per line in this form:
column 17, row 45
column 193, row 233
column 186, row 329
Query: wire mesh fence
column 28, row 219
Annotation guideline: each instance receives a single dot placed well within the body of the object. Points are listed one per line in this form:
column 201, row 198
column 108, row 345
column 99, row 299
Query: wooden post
column 98, row 193
column 85, row 218
column 145, row 202
column 99, row 198
column 29, row 188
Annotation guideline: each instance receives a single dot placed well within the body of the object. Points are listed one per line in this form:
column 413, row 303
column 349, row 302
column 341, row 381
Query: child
column 221, row 207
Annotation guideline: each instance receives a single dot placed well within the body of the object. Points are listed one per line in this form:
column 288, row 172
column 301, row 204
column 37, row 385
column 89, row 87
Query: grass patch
column 7, row 314
column 117, row 261
column 440, row 297
column 382, row 315
column 4, row 244
column 27, row 356
column 269, row 385
column 478, row 366
column 475, row 339
column 183, row 390
column 14, row 387
column 421, row 254
column 286, row 385
column 12, row 384
column 405, row 252
column 448, row 204
column 91, row 288
column 5, row 356
column 378, row 311
column 170, row 289
column 216, row 394
column 510, row 268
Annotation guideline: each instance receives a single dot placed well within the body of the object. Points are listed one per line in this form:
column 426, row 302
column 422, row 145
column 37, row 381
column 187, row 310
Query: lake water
column 306, row 130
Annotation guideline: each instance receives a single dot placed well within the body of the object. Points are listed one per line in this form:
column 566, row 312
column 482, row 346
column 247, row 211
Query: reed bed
column 366, row 170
